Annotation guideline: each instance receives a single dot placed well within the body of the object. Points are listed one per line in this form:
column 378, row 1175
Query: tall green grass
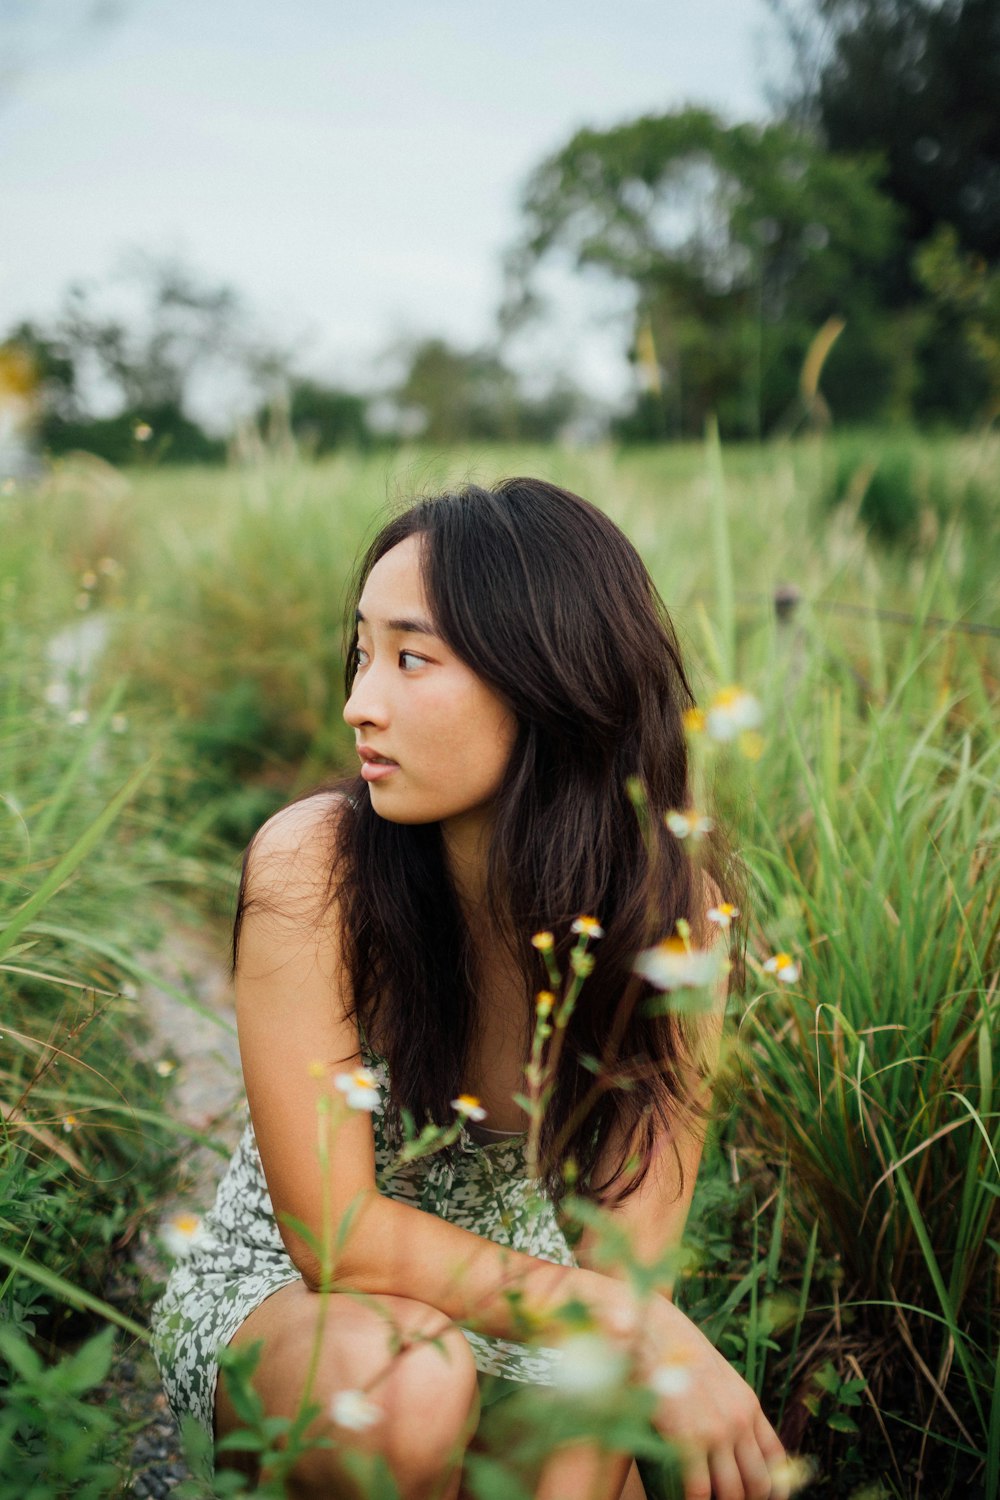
column 846, row 1225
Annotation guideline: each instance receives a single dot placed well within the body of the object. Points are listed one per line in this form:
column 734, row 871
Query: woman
column 512, row 680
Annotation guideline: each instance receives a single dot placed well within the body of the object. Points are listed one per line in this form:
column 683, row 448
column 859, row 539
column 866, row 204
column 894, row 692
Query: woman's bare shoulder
column 302, row 834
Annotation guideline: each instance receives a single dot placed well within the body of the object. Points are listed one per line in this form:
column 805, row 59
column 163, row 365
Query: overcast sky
column 352, row 169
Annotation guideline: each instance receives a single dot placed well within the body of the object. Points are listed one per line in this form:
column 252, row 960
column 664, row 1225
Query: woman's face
column 434, row 740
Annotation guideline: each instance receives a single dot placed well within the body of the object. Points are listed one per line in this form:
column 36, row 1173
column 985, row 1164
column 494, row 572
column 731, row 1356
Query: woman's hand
column 729, row 1449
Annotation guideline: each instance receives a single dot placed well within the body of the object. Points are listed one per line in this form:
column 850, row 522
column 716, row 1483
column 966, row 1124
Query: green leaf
column 74, row 1295
column 19, row 1354
column 841, row 1423
column 197, row 1445
column 489, row 1479
column 242, row 1441
column 90, row 1364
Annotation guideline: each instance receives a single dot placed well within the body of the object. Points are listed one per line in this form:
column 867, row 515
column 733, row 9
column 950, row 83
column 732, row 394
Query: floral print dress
column 240, row 1258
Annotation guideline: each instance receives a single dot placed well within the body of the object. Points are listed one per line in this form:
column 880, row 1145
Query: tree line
column 842, row 259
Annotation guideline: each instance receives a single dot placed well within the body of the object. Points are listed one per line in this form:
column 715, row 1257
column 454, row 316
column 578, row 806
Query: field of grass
column 171, row 672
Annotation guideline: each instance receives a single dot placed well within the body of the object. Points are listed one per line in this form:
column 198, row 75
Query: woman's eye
column 409, row 661
column 360, row 658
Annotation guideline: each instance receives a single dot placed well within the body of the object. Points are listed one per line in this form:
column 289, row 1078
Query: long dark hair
column 548, row 602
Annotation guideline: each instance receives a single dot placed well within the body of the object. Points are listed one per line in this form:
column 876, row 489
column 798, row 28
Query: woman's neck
column 466, row 847
column 466, row 851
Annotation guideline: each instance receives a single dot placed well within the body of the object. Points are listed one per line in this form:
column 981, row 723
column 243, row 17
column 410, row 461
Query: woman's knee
column 431, row 1401
column 413, row 1365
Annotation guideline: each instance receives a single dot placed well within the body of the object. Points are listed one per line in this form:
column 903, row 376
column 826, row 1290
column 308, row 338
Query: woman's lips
column 376, row 770
column 374, row 766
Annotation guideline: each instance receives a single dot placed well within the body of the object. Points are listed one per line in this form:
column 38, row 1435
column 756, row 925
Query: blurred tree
column 966, row 293
column 457, row 394
column 740, row 241
column 323, row 417
column 162, row 434
column 142, row 361
column 149, row 357
column 919, row 82
column 54, row 372
column 450, row 395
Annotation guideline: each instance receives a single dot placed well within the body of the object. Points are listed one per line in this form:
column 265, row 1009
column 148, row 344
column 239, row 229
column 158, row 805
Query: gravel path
column 207, row 1094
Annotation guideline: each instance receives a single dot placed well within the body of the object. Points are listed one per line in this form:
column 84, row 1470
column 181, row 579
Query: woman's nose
column 366, row 705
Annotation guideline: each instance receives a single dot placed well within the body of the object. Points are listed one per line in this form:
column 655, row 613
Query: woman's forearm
column 399, row 1250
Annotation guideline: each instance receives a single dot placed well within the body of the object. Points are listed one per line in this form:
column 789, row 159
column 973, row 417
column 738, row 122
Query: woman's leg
column 427, row 1396
column 586, row 1472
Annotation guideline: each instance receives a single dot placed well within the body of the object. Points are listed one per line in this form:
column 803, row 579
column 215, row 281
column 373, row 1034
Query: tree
column 739, row 241
column 918, row 82
column 966, row 294
column 142, row 363
column 324, row 418
column 54, row 375
column 182, row 326
column 456, row 395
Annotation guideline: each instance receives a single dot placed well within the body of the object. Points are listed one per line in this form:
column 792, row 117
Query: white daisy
column 784, row 967
column 590, row 1365
column 360, row 1089
column 469, row 1107
column 182, row 1233
column 723, row 914
column 731, row 712
column 587, row 927
column 671, row 965
column 354, row 1410
column 691, row 824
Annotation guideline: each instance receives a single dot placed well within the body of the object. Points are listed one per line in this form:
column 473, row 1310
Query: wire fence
column 787, row 599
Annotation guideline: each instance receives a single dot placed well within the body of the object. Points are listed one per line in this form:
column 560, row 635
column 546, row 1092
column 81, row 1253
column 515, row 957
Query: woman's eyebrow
column 404, row 627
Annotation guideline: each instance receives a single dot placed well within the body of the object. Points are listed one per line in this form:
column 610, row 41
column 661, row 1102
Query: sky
column 353, row 170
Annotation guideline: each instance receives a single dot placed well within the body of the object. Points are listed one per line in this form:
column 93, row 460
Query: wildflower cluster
column 553, row 1008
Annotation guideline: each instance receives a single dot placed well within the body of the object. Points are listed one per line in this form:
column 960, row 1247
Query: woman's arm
column 296, row 1035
